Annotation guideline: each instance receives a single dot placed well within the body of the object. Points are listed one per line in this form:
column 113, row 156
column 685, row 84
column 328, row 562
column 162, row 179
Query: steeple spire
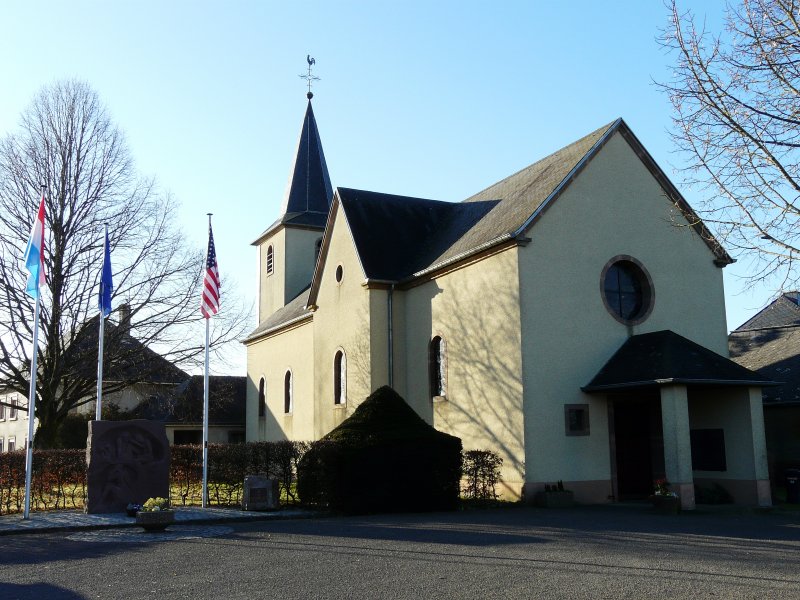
column 309, row 191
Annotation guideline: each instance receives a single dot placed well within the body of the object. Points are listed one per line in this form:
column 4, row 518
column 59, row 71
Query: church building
column 570, row 318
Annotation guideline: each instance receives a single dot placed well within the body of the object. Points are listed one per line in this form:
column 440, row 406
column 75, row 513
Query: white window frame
column 12, row 441
column 13, row 410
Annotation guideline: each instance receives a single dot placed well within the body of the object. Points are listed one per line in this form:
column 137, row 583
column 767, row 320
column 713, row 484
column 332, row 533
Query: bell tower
column 288, row 248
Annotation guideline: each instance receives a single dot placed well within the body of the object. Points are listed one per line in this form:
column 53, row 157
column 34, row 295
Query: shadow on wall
column 484, row 378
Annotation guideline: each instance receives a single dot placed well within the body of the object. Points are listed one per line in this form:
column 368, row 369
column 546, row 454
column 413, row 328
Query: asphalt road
column 599, row 552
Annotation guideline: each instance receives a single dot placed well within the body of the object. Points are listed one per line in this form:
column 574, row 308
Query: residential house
column 140, row 383
column 769, row 343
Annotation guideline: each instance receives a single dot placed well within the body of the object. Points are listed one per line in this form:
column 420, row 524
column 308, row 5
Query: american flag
column 209, row 305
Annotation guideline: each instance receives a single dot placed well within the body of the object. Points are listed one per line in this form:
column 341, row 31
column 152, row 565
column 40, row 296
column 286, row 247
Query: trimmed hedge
column 384, row 458
column 59, row 476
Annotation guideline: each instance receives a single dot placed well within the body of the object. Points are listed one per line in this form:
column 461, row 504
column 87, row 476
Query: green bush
column 384, row 458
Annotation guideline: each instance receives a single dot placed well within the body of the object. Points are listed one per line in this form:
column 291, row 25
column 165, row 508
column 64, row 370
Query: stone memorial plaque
column 260, row 493
column 127, row 461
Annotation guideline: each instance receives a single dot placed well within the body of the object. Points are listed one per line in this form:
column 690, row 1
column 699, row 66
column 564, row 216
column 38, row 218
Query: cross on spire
column 309, row 77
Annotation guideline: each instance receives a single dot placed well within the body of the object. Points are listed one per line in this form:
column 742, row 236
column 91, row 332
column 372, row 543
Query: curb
column 190, row 520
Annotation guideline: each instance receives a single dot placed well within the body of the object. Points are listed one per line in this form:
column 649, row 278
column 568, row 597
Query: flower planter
column 666, row 505
column 557, row 499
column 156, row 520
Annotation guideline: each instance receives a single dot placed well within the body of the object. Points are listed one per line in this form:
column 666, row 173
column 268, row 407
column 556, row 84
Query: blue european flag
column 106, row 286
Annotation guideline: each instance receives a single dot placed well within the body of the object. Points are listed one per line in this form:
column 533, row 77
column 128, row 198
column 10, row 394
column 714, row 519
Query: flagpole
column 205, row 408
column 205, row 424
column 98, row 410
column 31, row 411
column 98, row 413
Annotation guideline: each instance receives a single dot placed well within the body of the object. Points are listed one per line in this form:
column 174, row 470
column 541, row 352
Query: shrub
column 383, row 458
column 481, row 471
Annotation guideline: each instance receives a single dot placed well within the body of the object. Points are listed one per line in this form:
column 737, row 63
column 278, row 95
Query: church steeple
column 309, row 191
column 289, row 247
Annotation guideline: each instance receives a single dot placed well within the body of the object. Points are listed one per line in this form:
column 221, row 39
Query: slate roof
column 396, row 236
column 769, row 343
column 781, row 312
column 386, row 227
column 400, row 238
column 664, row 357
column 184, row 405
column 308, row 195
column 295, row 310
column 126, row 358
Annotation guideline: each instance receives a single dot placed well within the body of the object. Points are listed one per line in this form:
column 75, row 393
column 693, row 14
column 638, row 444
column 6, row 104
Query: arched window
column 287, row 393
column 270, row 260
column 262, row 398
column 339, row 378
column 437, row 367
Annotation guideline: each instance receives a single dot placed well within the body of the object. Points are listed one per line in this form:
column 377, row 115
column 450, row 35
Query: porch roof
column 663, row 358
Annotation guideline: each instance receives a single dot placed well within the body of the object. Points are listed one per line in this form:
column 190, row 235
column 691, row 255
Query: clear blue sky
column 429, row 99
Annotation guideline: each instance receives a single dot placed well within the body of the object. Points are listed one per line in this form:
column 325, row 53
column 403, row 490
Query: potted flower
column 155, row 515
column 664, row 500
column 554, row 496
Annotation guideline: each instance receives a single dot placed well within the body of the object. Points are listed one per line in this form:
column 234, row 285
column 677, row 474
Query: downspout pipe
column 390, row 307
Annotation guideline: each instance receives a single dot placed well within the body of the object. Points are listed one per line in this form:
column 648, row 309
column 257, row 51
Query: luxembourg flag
column 34, row 254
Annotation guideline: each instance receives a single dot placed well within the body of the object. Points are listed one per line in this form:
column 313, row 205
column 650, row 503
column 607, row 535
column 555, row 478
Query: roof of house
column 126, row 358
column 769, row 343
column 309, row 192
column 784, row 311
column 664, row 357
column 184, row 404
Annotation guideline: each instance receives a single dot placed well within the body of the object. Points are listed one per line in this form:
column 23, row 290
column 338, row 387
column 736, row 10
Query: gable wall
column 341, row 321
column 476, row 311
column 614, row 207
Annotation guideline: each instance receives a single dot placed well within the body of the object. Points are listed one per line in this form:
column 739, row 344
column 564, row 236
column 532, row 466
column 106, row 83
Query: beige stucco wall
column 271, row 287
column 729, row 409
column 614, row 207
column 293, row 266
column 476, row 311
column 271, row 358
column 341, row 321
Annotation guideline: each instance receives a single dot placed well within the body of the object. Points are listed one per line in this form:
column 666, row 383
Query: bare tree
column 68, row 143
column 736, row 100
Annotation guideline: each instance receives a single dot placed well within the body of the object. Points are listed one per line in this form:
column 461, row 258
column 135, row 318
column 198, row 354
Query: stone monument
column 127, row 461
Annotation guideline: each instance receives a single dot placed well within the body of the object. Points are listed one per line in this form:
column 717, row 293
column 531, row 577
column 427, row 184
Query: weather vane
column 309, row 77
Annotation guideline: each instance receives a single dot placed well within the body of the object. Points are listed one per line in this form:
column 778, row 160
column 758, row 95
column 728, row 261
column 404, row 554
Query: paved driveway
column 602, row 552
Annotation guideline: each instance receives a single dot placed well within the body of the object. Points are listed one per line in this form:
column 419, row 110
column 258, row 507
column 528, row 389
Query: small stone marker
column 260, row 493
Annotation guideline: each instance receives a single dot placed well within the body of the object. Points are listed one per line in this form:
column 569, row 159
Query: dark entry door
column 639, row 446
